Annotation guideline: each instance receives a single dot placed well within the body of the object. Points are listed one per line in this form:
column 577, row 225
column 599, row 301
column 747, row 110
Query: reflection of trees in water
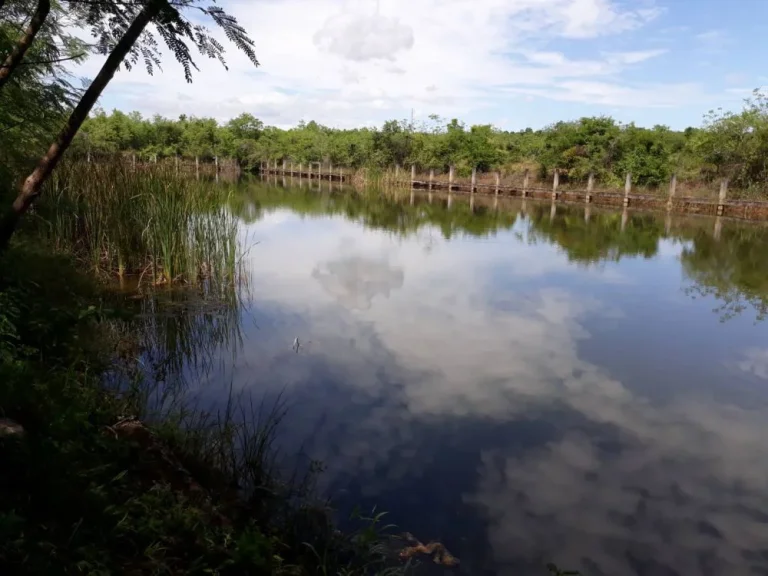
column 730, row 269
column 355, row 281
column 601, row 238
column 376, row 210
column 733, row 269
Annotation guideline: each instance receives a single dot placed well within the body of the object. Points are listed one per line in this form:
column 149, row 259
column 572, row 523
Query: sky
column 510, row 63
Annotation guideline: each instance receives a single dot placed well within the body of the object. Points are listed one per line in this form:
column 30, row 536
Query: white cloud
column 361, row 38
column 347, row 63
column 613, row 94
column 755, row 362
column 713, row 41
column 634, row 57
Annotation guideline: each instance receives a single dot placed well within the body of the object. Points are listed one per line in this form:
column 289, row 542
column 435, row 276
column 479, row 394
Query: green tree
column 122, row 33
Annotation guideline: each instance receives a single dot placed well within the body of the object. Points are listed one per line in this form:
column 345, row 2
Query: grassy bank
column 87, row 487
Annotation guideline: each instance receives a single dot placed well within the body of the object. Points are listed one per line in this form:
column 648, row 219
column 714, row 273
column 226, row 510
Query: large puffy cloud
column 364, row 38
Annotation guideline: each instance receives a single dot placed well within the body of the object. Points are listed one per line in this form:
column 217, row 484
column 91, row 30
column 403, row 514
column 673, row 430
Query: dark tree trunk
column 32, row 186
column 14, row 58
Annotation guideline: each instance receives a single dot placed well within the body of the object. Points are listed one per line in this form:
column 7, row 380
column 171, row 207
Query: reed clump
column 148, row 222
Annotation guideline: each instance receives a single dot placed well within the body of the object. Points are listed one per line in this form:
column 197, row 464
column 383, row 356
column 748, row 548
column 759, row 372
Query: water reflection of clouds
column 354, row 281
column 755, row 361
column 682, row 492
column 647, row 489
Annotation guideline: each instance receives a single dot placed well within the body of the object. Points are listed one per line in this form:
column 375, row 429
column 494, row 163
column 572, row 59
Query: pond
column 524, row 385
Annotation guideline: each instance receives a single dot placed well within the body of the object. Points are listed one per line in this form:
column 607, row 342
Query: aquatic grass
column 146, row 222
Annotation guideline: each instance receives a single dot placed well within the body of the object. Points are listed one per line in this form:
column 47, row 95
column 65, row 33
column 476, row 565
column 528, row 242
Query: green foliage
column 736, row 145
column 729, row 145
column 38, row 96
column 109, row 20
column 139, row 222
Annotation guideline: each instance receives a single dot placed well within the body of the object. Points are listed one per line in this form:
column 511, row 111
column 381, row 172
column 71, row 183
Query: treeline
column 730, row 145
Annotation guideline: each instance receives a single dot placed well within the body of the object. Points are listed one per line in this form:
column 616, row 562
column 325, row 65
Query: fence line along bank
column 719, row 205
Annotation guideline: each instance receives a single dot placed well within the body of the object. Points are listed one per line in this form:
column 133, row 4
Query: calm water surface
column 521, row 385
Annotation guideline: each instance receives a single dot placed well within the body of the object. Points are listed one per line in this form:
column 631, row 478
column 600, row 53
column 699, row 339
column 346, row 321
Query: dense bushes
column 729, row 145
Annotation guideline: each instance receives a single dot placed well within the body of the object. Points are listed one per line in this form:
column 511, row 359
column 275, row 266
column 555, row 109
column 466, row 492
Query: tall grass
column 149, row 222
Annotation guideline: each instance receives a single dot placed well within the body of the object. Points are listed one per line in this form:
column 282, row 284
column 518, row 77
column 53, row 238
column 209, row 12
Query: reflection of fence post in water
column 555, row 184
column 472, row 203
column 525, row 183
column 587, row 213
column 718, row 228
column 412, row 195
column 668, row 224
column 624, row 218
column 553, row 209
column 627, row 188
column 672, row 188
column 590, row 187
column 722, row 195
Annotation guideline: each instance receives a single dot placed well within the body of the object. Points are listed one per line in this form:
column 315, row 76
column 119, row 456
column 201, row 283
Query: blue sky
column 512, row 63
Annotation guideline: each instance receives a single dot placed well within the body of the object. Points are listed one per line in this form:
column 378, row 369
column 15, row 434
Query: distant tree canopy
column 732, row 145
